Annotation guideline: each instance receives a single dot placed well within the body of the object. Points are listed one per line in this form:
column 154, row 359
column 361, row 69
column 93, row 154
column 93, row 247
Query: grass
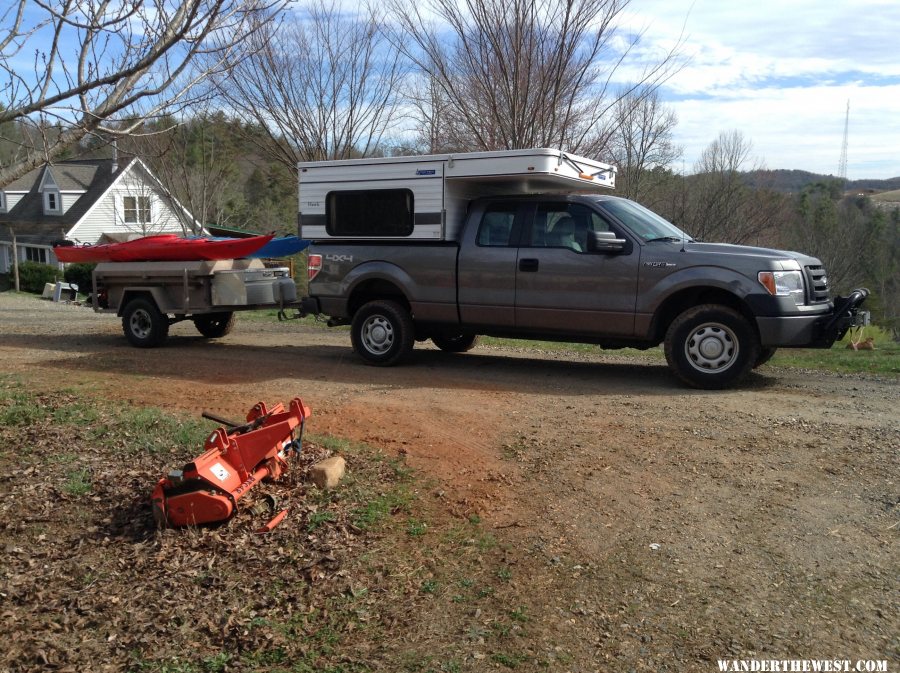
column 144, row 430
column 892, row 196
column 78, row 482
column 884, row 360
column 395, row 552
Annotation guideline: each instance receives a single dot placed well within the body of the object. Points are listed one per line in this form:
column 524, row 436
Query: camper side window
column 371, row 212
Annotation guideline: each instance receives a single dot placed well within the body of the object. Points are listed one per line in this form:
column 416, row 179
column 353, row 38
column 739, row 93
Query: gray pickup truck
column 579, row 268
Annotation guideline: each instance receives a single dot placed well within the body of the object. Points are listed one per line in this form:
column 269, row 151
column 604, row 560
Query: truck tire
column 215, row 325
column 382, row 333
column 765, row 354
column 711, row 346
column 143, row 324
column 458, row 342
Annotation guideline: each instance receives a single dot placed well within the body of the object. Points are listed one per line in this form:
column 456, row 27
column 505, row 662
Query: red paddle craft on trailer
column 163, row 248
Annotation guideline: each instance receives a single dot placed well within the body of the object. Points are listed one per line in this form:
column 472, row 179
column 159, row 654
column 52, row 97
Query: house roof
column 94, row 176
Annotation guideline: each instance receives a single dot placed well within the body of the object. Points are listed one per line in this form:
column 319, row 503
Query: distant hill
column 887, row 197
column 788, row 181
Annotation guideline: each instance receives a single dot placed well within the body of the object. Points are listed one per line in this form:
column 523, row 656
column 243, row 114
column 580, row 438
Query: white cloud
column 782, row 72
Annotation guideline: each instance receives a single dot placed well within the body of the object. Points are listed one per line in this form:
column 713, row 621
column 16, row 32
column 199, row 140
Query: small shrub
column 80, row 274
column 33, row 276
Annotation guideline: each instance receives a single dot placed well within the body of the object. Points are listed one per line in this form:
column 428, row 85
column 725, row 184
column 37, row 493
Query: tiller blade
column 208, row 489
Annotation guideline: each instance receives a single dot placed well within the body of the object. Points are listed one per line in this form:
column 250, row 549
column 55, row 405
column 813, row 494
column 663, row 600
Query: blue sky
column 781, row 72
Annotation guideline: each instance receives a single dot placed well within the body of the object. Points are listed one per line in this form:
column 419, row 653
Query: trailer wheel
column 215, row 325
column 382, row 333
column 459, row 342
column 711, row 346
column 143, row 324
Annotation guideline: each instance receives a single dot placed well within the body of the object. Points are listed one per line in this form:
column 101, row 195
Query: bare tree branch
column 321, row 85
column 107, row 59
column 520, row 73
column 641, row 141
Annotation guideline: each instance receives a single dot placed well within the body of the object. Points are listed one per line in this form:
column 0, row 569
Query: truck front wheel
column 214, row 325
column 382, row 333
column 143, row 323
column 711, row 346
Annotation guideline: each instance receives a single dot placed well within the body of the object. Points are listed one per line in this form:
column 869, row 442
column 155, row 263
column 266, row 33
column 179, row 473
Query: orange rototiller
column 235, row 459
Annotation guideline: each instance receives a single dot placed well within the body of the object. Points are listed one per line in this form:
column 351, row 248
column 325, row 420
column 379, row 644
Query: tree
column 100, row 67
column 196, row 160
column 508, row 74
column 717, row 205
column 322, row 85
column 208, row 165
column 641, row 142
column 844, row 233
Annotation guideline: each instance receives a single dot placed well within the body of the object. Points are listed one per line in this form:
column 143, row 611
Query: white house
column 85, row 201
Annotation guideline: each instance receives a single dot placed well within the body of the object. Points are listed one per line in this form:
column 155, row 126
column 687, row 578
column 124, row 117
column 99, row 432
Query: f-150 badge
column 660, row 265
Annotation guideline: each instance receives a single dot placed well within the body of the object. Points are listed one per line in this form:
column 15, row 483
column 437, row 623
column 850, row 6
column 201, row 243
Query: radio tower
column 842, row 165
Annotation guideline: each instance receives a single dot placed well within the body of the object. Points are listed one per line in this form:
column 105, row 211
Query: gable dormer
column 50, row 194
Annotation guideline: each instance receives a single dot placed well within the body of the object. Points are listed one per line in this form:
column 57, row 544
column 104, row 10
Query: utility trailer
column 150, row 296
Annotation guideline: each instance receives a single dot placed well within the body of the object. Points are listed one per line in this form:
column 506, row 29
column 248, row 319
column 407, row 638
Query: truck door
column 561, row 287
column 487, row 266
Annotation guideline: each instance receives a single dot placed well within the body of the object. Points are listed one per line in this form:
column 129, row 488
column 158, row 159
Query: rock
column 327, row 473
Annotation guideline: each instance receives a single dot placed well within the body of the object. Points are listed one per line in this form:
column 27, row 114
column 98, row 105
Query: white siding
column 12, row 199
column 108, row 214
column 68, row 199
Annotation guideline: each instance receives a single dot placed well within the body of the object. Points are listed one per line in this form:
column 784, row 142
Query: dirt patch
column 642, row 526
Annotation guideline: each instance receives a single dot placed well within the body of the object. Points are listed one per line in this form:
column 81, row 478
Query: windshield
column 643, row 222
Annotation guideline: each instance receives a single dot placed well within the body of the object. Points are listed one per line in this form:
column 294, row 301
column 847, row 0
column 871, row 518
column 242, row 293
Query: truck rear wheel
column 711, row 346
column 459, row 342
column 215, row 325
column 144, row 325
column 765, row 354
column 382, row 333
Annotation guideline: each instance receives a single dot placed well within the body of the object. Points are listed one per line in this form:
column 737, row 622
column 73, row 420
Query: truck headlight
column 783, row 284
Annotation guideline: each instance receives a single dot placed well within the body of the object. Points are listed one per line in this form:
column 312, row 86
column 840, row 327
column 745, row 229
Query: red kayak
column 163, row 248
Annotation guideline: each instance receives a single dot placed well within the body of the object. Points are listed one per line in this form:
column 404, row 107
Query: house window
column 137, row 209
column 51, row 202
column 2, row 202
column 36, row 254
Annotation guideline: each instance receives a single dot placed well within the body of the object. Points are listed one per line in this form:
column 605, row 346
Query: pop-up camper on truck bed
column 426, row 197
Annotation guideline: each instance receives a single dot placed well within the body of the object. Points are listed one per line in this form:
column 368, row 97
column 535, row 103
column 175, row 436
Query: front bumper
column 815, row 331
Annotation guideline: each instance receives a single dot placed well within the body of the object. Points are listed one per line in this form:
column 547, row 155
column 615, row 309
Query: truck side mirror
column 604, row 241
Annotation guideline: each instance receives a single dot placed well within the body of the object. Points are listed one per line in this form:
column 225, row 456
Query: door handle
column 528, row 264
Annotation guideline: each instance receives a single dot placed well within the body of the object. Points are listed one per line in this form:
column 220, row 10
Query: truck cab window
column 564, row 225
column 496, row 226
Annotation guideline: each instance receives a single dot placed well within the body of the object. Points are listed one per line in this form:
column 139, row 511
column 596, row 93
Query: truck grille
column 817, row 284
